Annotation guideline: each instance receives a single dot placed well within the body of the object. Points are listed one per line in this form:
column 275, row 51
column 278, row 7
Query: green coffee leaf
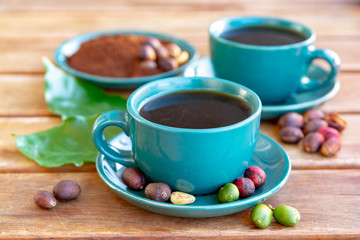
column 68, row 96
column 69, row 143
column 79, row 103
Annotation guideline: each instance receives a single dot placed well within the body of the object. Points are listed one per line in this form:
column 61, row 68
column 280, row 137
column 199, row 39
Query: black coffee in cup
column 196, row 109
column 263, row 36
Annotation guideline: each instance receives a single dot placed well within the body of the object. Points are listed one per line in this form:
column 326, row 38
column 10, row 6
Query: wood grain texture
column 111, row 5
column 23, row 95
column 99, row 212
column 324, row 190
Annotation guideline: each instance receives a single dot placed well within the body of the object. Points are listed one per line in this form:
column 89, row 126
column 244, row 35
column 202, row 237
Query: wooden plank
column 12, row 160
column 110, row 5
column 29, row 24
column 326, row 200
column 23, row 95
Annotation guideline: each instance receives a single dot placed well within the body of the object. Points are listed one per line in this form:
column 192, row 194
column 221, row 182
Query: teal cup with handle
column 196, row 161
column 273, row 72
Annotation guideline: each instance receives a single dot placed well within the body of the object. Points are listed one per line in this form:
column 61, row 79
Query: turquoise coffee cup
column 196, row 161
column 273, row 72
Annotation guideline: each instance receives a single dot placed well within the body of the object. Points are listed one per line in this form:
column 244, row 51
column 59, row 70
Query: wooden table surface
column 324, row 190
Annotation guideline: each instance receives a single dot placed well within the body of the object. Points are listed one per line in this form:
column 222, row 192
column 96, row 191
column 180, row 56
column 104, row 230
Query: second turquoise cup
column 273, row 72
column 196, row 161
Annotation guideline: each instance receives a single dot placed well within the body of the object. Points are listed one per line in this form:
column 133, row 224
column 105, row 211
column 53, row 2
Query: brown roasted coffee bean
column 291, row 134
column 66, row 190
column 153, row 42
column 291, row 119
column 174, row 49
column 313, row 114
column 312, row 142
column 133, row 178
column 335, row 121
column 330, row 147
column 182, row 58
column 44, row 199
column 167, row 64
column 148, row 65
column 160, row 192
column 146, row 52
column 161, row 52
column 314, row 125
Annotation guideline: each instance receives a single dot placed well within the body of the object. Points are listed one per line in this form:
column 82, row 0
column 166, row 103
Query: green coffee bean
column 228, row 193
column 286, row 215
column 261, row 216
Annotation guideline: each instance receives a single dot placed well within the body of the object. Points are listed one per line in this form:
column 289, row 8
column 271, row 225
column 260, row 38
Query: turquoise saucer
column 268, row 155
column 299, row 102
column 70, row 46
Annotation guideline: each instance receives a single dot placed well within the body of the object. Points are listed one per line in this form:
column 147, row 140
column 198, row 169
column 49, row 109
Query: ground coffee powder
column 111, row 56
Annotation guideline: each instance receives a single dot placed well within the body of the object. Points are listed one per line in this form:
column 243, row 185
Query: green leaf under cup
column 79, row 104
column 67, row 95
column 71, row 142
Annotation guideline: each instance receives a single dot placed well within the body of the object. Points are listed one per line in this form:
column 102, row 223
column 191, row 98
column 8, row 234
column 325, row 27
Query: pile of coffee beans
column 127, row 56
column 160, row 192
column 319, row 131
column 164, row 55
column 65, row 190
column 243, row 187
column 262, row 215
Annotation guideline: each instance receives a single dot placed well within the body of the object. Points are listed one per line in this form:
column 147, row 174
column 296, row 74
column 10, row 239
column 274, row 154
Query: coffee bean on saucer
column 66, row 190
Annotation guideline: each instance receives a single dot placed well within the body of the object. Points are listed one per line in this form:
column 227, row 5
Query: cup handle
column 334, row 61
column 117, row 119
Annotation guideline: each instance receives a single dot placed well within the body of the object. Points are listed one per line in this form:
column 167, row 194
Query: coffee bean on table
column 286, row 215
column 330, row 147
column 66, row 190
column 44, row 199
column 290, row 134
column 312, row 142
column 291, row 119
column 261, row 215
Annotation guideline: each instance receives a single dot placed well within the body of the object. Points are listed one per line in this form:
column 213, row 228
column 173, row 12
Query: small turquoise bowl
column 70, row 46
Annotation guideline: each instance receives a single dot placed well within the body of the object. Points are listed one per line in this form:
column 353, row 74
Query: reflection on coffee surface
column 264, row 36
column 196, row 109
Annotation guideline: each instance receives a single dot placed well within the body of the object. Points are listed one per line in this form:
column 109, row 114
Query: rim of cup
column 217, row 27
column 133, row 108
